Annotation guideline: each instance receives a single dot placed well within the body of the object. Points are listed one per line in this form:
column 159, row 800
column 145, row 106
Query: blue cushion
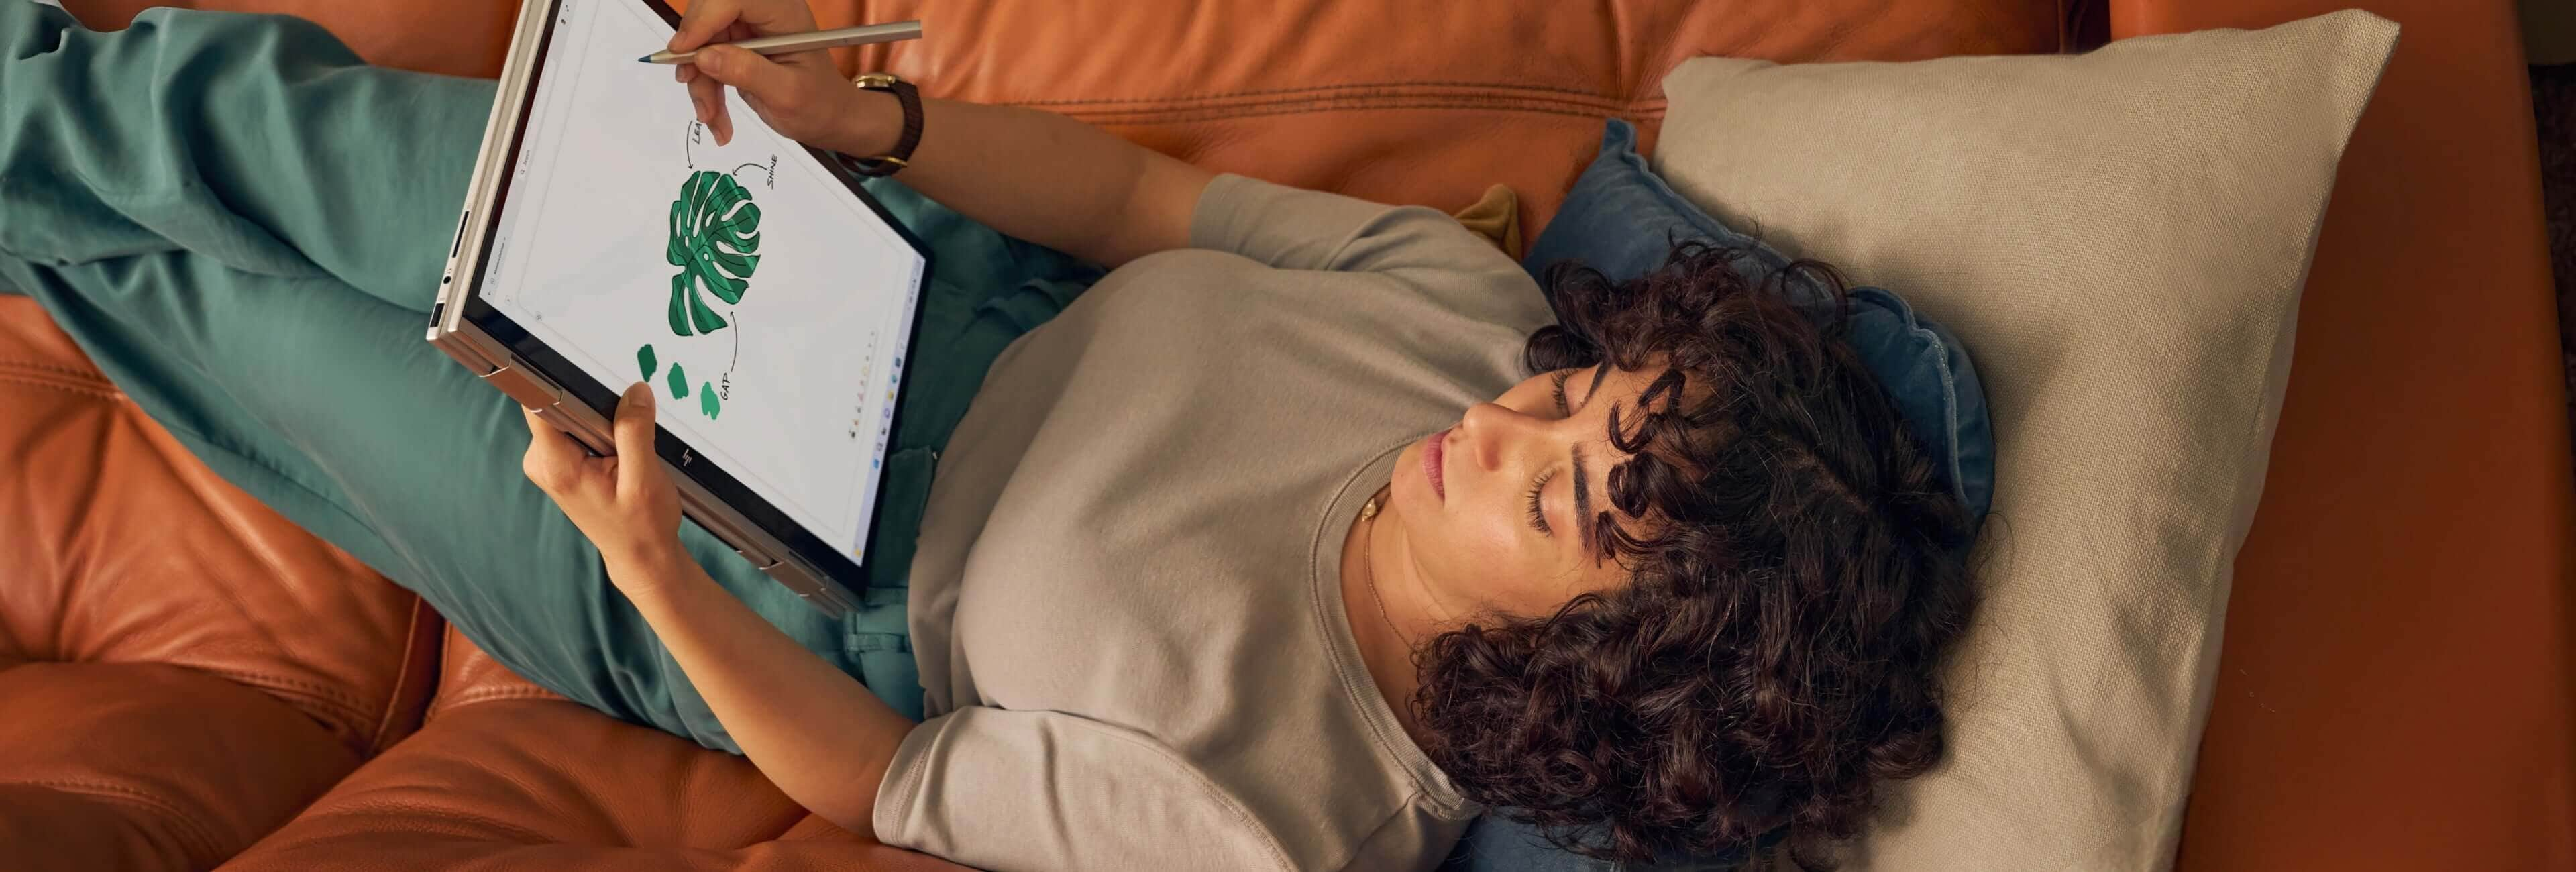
column 1622, row 220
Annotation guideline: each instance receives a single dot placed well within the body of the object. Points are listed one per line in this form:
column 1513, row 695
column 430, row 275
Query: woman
column 1295, row 542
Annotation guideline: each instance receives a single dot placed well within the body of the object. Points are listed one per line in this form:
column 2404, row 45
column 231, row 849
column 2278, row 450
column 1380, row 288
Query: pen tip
column 645, row 59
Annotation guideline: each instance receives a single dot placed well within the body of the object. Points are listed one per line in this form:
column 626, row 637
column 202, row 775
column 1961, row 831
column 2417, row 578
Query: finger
column 637, row 465
column 551, row 453
column 778, row 88
column 737, row 32
column 633, row 428
column 819, row 59
column 706, row 96
column 704, row 20
column 748, row 72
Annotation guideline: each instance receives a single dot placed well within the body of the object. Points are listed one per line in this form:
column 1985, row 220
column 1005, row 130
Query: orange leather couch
column 190, row 681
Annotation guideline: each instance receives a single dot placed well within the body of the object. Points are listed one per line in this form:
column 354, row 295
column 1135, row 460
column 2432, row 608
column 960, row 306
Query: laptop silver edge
column 488, row 358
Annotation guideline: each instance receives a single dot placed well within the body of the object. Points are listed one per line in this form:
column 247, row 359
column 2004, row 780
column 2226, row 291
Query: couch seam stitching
column 317, row 688
column 402, row 679
column 66, row 384
column 530, row 836
column 1481, row 100
column 295, row 699
column 190, row 828
column 499, row 693
column 79, row 372
column 1183, row 116
column 316, row 694
column 1577, row 94
column 362, row 804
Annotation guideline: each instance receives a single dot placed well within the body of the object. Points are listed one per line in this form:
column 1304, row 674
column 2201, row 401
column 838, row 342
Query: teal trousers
column 244, row 226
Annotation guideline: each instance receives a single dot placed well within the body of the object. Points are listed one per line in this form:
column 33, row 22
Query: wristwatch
column 887, row 164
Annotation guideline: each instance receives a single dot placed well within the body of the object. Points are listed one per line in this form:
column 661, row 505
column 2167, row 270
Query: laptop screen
column 767, row 304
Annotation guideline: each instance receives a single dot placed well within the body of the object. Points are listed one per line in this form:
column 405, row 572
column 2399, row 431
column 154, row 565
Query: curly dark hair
column 1798, row 577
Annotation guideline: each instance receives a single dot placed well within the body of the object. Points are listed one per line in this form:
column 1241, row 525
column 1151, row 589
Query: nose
column 1491, row 429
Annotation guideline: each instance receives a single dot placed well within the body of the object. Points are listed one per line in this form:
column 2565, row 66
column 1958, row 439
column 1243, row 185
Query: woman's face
column 1496, row 511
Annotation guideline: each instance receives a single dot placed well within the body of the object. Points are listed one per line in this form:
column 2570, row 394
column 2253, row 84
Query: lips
column 1432, row 452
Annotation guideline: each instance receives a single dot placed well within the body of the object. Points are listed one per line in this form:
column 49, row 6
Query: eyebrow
column 1582, row 497
column 1583, row 519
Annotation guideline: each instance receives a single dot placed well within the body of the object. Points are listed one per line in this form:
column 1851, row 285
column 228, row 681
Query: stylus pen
column 807, row 41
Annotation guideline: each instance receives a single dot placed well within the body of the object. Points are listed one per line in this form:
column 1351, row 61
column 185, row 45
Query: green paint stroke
column 715, row 240
column 679, row 382
column 707, row 401
column 644, row 360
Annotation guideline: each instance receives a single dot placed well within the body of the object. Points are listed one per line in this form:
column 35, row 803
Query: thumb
column 747, row 71
column 634, row 435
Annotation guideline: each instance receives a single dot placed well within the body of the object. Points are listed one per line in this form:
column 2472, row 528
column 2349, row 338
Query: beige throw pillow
column 2120, row 239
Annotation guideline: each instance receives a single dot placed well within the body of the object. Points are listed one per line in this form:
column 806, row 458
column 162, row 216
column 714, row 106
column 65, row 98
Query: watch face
column 872, row 167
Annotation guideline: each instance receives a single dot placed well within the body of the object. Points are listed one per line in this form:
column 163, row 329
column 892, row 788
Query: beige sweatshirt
column 1127, row 604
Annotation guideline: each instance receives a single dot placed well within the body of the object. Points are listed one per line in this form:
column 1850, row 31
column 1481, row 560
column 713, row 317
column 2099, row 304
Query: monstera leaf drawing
column 715, row 240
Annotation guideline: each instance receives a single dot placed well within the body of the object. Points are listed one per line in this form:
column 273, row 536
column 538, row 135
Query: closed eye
column 1558, row 386
column 1537, row 517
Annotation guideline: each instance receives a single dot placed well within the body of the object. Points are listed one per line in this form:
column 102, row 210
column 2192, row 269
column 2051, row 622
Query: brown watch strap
column 894, row 161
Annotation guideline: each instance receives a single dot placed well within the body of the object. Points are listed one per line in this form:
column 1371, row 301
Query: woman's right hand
column 1032, row 175
column 800, row 95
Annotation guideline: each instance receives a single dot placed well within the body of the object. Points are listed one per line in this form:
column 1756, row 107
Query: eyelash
column 1538, row 518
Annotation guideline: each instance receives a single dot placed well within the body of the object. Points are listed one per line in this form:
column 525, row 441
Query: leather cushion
column 124, row 548
column 1322, row 94
column 1351, row 97
column 466, row 676
column 453, row 37
column 148, row 767
column 506, row 776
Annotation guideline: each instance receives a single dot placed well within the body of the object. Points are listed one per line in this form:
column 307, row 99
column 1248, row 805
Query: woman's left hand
column 625, row 502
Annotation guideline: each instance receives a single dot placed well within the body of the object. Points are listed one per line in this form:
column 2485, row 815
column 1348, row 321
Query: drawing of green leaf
column 707, row 401
column 679, row 381
column 715, row 241
column 688, row 309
